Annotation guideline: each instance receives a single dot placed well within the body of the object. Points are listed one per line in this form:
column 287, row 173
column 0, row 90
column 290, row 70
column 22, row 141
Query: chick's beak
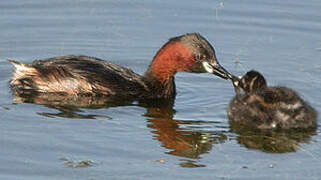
column 216, row 69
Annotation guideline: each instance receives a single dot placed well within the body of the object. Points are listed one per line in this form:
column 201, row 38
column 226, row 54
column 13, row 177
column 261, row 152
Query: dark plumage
column 78, row 75
column 266, row 107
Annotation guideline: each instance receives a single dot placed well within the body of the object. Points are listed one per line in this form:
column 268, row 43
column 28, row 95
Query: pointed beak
column 216, row 69
column 236, row 81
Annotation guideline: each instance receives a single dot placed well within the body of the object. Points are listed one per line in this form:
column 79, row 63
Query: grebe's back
column 76, row 75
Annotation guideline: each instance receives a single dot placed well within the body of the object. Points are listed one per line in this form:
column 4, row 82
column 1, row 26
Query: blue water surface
column 192, row 139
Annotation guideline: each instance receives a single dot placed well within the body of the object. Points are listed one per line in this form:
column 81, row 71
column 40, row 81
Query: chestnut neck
column 171, row 58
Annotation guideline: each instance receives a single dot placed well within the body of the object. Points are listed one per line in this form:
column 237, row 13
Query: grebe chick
column 75, row 75
column 266, row 107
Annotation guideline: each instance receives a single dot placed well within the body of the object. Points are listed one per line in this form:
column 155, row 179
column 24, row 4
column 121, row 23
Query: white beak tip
column 208, row 67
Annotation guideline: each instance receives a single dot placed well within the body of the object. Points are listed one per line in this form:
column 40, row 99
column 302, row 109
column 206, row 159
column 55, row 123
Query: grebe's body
column 268, row 107
column 75, row 75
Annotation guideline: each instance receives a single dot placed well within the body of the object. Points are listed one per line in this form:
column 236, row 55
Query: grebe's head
column 189, row 53
column 251, row 81
column 203, row 55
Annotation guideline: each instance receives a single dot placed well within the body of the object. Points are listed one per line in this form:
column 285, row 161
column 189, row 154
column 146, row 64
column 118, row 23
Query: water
column 190, row 140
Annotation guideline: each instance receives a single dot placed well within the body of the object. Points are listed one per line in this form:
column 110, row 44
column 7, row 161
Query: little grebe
column 266, row 107
column 75, row 75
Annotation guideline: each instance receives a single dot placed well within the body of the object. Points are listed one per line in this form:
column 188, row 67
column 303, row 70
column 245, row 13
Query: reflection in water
column 70, row 112
column 182, row 138
column 69, row 106
column 56, row 99
column 181, row 141
column 190, row 164
column 184, row 142
column 272, row 141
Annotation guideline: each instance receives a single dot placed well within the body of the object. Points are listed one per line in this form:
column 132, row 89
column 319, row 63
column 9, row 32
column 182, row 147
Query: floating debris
column 5, row 108
column 77, row 164
column 162, row 161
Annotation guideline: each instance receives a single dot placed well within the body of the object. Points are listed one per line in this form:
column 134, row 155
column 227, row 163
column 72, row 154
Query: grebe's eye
column 199, row 57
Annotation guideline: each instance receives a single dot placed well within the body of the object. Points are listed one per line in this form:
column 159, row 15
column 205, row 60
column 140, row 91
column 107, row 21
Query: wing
column 82, row 74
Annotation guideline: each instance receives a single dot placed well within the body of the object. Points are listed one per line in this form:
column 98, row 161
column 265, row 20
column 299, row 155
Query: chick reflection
column 181, row 141
column 272, row 141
